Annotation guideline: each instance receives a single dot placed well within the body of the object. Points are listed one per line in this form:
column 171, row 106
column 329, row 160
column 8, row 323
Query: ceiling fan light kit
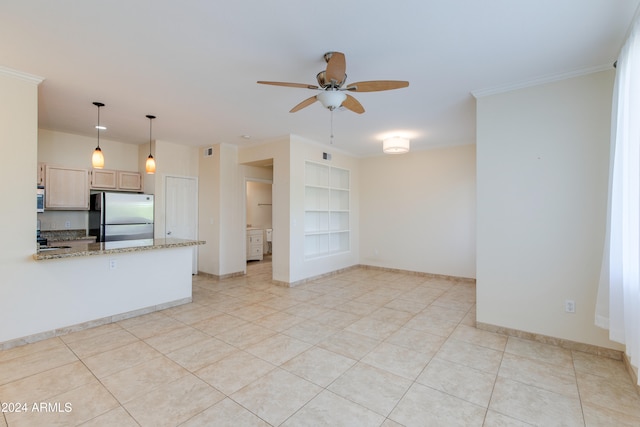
column 331, row 99
column 396, row 145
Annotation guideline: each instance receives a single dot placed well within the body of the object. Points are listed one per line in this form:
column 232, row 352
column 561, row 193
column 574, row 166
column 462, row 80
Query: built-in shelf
column 327, row 227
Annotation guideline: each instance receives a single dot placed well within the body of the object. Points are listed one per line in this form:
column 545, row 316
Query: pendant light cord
column 150, row 117
column 98, row 127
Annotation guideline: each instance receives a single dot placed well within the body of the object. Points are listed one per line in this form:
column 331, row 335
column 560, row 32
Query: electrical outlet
column 67, row 224
column 570, row 306
column 113, row 264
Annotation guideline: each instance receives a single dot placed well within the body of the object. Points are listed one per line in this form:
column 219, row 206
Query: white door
column 181, row 211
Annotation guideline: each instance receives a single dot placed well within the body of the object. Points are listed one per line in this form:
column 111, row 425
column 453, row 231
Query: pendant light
column 151, row 163
column 97, row 160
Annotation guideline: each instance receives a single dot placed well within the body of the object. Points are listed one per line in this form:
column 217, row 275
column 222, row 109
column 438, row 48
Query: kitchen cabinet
column 66, row 188
column 105, row 179
column 255, row 241
column 129, row 181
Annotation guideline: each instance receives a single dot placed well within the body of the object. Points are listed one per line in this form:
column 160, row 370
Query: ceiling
column 194, row 64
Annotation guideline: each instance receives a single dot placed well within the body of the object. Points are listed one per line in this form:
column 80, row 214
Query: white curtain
column 618, row 304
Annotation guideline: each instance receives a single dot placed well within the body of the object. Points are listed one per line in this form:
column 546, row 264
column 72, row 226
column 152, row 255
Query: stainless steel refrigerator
column 121, row 216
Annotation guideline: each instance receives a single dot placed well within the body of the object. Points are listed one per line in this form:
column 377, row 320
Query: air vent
column 208, row 152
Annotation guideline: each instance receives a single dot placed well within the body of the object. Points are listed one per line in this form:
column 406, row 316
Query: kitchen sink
column 52, row 248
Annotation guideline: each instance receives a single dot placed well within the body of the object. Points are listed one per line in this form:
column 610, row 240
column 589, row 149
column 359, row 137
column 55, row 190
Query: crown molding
column 29, row 78
column 550, row 78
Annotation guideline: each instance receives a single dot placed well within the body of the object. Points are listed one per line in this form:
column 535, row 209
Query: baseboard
column 221, row 277
column 633, row 371
column 373, row 267
column 420, row 274
column 319, row 276
column 6, row 345
column 559, row 342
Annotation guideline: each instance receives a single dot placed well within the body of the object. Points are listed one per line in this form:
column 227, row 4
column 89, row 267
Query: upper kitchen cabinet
column 129, row 181
column 102, row 179
column 66, row 188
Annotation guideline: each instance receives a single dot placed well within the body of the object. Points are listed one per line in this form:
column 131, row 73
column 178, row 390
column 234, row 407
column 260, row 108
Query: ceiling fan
column 330, row 85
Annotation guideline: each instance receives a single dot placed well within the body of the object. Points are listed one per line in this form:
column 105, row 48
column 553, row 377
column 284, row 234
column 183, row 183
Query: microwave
column 40, row 199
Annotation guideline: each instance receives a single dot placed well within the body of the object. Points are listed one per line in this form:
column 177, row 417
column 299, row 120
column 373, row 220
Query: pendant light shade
column 97, row 160
column 151, row 162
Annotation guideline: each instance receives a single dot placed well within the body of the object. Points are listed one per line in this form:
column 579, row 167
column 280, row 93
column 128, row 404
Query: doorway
column 259, row 217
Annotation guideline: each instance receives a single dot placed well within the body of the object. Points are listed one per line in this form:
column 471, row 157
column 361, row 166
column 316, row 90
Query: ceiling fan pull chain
column 331, row 139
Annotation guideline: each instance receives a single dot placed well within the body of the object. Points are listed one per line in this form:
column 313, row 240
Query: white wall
column 542, row 189
column 303, row 150
column 209, row 211
column 232, row 200
column 279, row 151
column 171, row 159
column 259, row 204
column 18, row 172
column 221, row 216
column 66, row 149
column 418, row 211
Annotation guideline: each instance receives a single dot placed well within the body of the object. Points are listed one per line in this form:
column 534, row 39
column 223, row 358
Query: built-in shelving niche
column 326, row 218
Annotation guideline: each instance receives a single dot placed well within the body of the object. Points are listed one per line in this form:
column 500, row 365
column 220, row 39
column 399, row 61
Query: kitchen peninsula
column 93, row 284
column 108, row 248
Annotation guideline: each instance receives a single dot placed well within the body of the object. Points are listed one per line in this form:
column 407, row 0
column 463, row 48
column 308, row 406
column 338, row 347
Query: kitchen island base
column 86, row 291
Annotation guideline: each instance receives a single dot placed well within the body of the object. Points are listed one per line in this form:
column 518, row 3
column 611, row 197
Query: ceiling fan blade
column 336, row 68
column 376, row 85
column 352, row 104
column 303, row 104
column 300, row 85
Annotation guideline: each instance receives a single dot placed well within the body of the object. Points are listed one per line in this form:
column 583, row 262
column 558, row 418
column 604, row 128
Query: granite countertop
column 65, row 235
column 103, row 248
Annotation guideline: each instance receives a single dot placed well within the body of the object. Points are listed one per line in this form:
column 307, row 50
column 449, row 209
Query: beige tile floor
column 362, row 348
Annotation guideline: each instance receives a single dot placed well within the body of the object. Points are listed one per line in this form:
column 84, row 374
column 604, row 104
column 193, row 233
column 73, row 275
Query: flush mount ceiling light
column 395, row 145
column 97, row 160
column 151, row 163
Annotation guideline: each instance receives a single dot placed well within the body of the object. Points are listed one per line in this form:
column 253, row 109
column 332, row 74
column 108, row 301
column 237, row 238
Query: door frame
column 196, row 216
column 248, row 179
